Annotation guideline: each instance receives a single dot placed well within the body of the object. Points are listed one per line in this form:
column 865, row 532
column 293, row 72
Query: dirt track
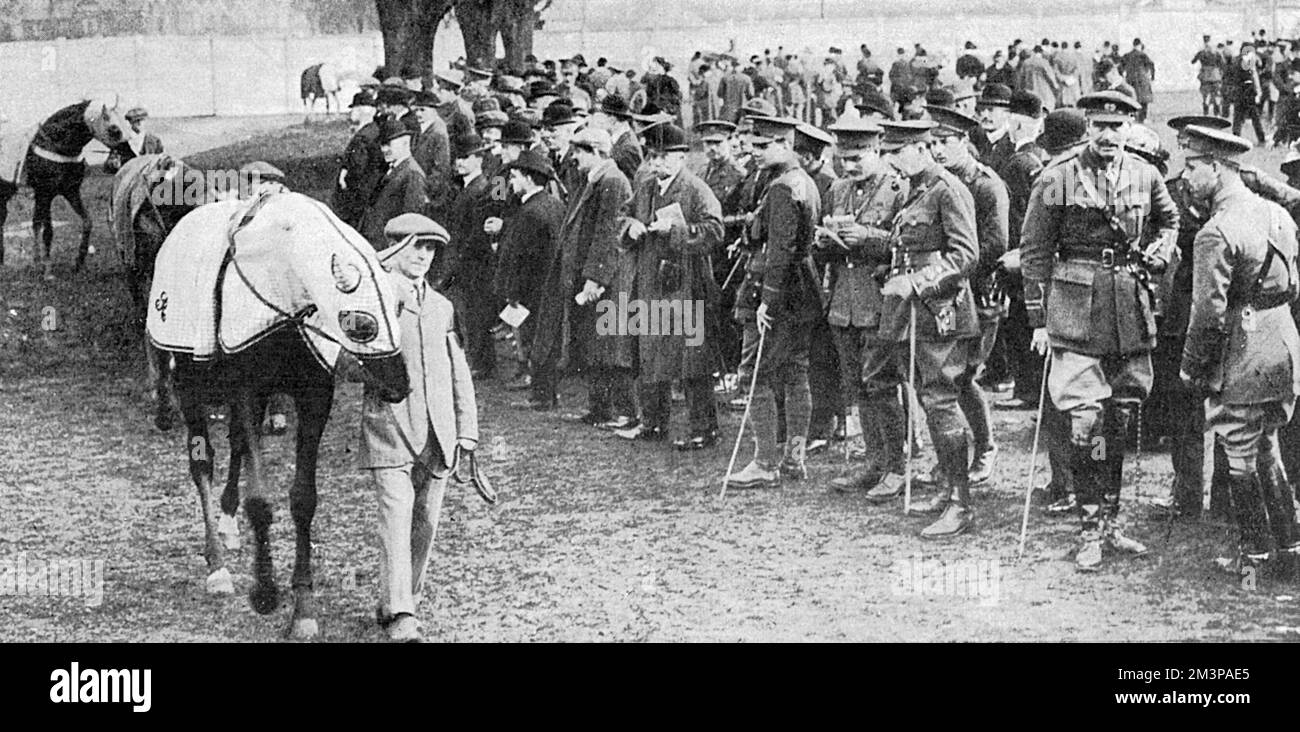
column 594, row 539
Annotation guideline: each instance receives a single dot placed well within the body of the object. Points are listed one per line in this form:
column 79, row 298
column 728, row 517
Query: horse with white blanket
column 258, row 296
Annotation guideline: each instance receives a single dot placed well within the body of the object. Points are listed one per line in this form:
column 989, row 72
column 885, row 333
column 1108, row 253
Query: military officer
column 855, row 243
column 810, row 145
column 776, row 304
column 1242, row 347
column 934, row 250
column 723, row 174
column 951, row 148
column 1098, row 223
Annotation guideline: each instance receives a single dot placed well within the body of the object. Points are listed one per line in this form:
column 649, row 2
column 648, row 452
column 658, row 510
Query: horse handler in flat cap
column 1242, row 348
column 412, row 447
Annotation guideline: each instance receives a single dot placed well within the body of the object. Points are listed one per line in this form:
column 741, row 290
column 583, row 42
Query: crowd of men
column 885, row 265
column 1255, row 80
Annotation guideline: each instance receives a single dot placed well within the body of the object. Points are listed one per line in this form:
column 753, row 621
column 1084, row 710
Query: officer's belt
column 903, row 259
column 1105, row 256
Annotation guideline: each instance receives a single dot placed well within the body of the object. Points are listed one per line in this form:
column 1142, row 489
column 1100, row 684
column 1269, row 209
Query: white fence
column 237, row 75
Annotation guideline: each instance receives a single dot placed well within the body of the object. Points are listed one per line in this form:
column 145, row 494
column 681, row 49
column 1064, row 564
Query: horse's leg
column 265, row 596
column 42, row 228
column 7, row 191
column 201, row 455
column 313, row 403
column 73, row 197
column 227, row 525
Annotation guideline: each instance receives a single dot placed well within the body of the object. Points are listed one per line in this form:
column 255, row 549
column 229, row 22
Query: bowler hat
column 1062, row 128
column 666, row 138
column 517, row 132
column 363, row 99
column 390, row 129
column 874, row 102
column 1026, row 104
column 469, row 143
column 615, row 106
column 558, row 113
column 424, row 99
column 533, row 161
column 394, row 95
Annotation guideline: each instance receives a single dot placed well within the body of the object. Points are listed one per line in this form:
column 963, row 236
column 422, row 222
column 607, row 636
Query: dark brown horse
column 255, row 297
column 53, row 167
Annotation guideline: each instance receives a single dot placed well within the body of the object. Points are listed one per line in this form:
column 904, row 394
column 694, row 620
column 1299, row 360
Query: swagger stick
column 1033, row 453
column 749, row 401
column 911, row 408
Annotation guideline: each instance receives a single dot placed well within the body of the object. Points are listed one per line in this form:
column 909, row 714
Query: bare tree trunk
column 517, row 20
column 479, row 31
column 409, row 28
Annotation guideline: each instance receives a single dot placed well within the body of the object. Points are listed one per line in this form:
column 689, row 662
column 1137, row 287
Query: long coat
column 591, row 231
column 1037, row 75
column 363, row 167
column 432, row 150
column 627, row 154
column 666, row 355
column 1139, row 72
column 441, row 403
column 529, row 242
column 1260, row 364
column 402, row 190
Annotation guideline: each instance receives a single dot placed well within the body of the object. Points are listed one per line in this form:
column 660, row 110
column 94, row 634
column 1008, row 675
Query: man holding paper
column 676, row 222
column 530, row 241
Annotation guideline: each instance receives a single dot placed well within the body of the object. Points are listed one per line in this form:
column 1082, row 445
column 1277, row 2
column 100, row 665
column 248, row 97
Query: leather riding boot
column 866, row 477
column 956, row 519
column 891, row 425
column 1248, row 507
column 1279, row 500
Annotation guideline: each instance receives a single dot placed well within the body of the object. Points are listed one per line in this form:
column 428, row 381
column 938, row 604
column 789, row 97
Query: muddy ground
column 594, row 539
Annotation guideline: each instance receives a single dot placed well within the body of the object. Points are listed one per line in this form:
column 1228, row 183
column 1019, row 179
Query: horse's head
column 355, row 302
column 106, row 118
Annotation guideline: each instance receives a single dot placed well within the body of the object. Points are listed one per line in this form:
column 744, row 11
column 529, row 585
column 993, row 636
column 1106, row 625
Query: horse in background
column 320, row 81
column 54, row 167
column 257, row 296
column 144, row 208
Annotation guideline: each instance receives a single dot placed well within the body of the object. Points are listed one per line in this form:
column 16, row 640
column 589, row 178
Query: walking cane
column 749, row 402
column 1033, row 453
column 911, row 408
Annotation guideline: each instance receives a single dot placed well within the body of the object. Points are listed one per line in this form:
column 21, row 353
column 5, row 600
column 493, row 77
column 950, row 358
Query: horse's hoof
column 264, row 599
column 304, row 629
column 221, row 583
column 228, row 529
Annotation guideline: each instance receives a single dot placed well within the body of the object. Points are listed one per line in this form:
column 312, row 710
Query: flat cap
column 1109, row 106
column 715, row 130
column 407, row 228
column 135, row 114
column 995, row 95
column 902, row 133
column 811, row 139
column 1219, row 144
column 1144, row 142
column 485, row 104
column 491, row 118
column 593, row 139
column 949, row 121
